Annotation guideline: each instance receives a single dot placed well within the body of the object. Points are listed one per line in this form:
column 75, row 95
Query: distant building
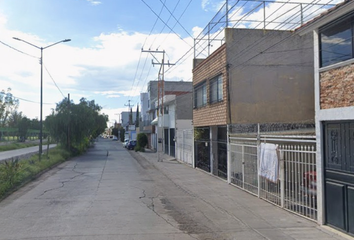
column 149, row 106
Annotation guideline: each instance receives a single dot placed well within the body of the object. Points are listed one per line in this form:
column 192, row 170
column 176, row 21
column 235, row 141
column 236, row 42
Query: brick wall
column 216, row 113
column 337, row 87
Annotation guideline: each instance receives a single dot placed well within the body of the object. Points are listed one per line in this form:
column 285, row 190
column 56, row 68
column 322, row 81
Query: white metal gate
column 184, row 146
column 295, row 187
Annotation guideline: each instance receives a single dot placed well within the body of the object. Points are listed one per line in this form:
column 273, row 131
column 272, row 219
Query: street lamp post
column 41, row 98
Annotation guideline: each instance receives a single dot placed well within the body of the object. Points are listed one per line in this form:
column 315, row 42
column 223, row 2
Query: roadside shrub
column 15, row 173
column 142, row 141
column 139, row 149
column 9, row 170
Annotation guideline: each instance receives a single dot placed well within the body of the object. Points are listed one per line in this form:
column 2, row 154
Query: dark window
column 216, row 88
column 200, row 95
column 336, row 42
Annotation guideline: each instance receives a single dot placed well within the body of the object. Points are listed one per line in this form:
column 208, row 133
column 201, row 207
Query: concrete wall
column 184, row 106
column 270, row 76
column 169, row 86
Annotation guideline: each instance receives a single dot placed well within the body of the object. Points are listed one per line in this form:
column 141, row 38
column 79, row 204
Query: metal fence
column 294, row 188
column 184, row 146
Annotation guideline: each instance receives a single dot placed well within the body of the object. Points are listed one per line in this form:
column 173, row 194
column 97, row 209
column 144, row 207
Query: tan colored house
column 256, row 76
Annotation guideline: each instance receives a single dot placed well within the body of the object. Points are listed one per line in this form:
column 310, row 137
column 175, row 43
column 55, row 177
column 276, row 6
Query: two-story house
column 333, row 33
column 149, row 111
column 256, row 76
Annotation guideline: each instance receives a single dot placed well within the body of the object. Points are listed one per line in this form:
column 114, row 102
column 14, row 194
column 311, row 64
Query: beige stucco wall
column 271, row 76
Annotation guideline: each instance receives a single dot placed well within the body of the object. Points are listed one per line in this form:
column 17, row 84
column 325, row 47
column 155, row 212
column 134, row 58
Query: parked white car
column 125, row 143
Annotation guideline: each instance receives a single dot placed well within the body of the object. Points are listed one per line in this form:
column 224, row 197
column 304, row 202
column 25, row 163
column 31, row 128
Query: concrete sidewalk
column 261, row 217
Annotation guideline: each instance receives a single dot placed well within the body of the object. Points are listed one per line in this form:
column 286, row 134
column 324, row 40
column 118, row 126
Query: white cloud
column 94, row 2
column 104, row 72
column 214, row 6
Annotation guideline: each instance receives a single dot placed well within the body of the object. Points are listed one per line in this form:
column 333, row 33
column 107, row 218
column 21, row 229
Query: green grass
column 14, row 174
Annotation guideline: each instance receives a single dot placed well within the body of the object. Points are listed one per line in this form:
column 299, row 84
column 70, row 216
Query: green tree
column 137, row 116
column 75, row 125
column 122, row 134
column 23, row 126
column 8, row 104
column 115, row 132
column 14, row 119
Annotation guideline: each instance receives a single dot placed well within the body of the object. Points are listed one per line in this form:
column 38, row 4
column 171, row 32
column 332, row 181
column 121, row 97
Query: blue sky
column 101, row 62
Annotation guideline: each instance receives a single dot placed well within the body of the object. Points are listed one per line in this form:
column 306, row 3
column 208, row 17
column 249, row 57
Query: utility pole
column 161, row 77
column 69, row 112
column 160, row 86
column 130, row 110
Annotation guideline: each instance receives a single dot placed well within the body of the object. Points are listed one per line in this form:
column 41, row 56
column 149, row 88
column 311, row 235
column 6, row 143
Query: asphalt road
column 129, row 195
column 93, row 197
column 23, row 152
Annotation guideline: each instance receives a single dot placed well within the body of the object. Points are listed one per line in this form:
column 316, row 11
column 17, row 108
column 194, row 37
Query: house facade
column 334, row 107
column 149, row 126
column 250, row 80
column 176, row 118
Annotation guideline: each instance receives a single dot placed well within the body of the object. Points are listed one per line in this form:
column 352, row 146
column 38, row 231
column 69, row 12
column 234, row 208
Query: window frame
column 332, row 25
column 200, row 88
column 219, row 89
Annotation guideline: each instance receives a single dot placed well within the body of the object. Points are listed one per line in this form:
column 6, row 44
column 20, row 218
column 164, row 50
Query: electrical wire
column 54, row 81
column 180, row 60
column 165, row 23
column 176, row 22
column 7, row 45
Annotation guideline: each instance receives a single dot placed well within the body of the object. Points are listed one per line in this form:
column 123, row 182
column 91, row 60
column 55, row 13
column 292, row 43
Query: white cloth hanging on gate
column 268, row 165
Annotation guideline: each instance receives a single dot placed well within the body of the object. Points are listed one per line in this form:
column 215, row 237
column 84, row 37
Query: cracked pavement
column 112, row 193
column 94, row 196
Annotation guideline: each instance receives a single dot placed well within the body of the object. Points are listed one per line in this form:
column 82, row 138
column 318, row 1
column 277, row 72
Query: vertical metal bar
column 208, row 39
column 228, row 147
column 264, row 15
column 193, row 150
column 258, row 159
column 243, row 165
column 302, row 14
column 227, row 14
column 282, row 176
column 41, row 110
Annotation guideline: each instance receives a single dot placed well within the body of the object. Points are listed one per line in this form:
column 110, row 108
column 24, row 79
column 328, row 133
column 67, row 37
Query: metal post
column 264, row 16
column 41, row 90
column 228, row 155
column 41, row 110
column 227, row 13
column 258, row 160
column 282, row 179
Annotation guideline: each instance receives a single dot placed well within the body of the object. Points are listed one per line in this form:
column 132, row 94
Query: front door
column 339, row 174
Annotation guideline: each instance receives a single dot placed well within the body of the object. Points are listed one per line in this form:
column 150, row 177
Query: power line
column 31, row 101
column 307, row 7
column 7, row 45
column 165, row 23
column 54, row 81
column 176, row 22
